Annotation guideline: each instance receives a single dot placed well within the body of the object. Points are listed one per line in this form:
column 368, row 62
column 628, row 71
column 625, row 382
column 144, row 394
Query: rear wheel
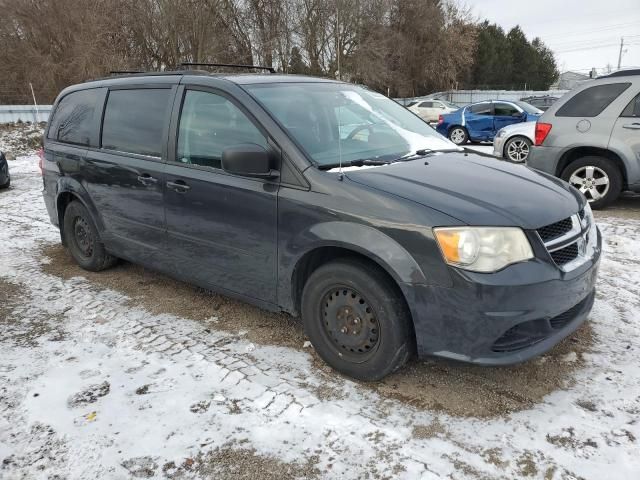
column 517, row 149
column 356, row 319
column 458, row 135
column 599, row 180
column 82, row 239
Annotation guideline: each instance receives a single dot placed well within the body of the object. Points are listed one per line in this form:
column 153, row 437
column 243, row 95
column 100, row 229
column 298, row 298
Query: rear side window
column 426, row 105
column 633, row 109
column 134, row 121
column 592, row 101
column 481, row 109
column 72, row 121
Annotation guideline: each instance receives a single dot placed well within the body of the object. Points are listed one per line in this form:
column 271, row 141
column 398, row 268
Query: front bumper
column 505, row 317
column 498, row 146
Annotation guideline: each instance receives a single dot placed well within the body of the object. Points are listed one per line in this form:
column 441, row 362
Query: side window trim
column 178, row 103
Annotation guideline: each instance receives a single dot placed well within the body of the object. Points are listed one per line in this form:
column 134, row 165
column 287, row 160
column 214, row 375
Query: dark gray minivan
column 325, row 200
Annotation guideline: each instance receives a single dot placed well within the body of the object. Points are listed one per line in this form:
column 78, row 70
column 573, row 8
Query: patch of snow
column 167, row 401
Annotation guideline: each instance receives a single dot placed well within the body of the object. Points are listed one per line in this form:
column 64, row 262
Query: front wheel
column 458, row 135
column 517, row 149
column 357, row 319
column 599, row 180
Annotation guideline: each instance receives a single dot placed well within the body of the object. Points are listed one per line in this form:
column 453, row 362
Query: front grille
column 555, row 230
column 521, row 336
column 565, row 255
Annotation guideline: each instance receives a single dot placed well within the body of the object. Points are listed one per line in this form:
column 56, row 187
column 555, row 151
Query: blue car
column 479, row 122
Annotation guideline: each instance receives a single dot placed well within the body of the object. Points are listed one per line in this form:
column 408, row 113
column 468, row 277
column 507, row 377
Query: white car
column 513, row 142
column 430, row 110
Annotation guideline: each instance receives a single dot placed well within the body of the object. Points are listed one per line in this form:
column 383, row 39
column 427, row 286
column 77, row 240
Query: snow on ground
column 92, row 388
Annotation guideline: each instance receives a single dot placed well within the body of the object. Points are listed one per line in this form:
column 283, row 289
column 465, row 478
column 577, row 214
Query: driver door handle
column 147, row 179
column 632, row 126
column 179, row 186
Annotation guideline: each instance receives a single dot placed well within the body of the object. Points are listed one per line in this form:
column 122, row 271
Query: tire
column 83, row 240
column 607, row 176
column 375, row 336
column 460, row 134
column 517, row 149
column 7, row 184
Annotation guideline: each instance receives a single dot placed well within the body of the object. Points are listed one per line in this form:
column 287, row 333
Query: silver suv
column 591, row 138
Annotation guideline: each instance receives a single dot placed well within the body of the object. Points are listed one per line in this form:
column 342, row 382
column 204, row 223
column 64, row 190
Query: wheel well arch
column 579, row 152
column 315, row 258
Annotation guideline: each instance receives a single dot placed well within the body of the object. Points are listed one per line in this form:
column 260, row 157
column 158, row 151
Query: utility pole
column 338, row 38
column 620, row 54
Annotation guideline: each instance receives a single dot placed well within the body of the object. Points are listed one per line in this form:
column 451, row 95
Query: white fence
column 465, row 97
column 24, row 113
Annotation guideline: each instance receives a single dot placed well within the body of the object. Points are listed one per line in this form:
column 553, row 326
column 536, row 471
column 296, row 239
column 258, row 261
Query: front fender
column 370, row 242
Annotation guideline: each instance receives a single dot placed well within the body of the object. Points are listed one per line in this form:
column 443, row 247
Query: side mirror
column 248, row 160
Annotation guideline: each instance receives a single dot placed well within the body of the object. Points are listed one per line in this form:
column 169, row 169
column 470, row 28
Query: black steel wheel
column 356, row 318
column 82, row 239
column 349, row 323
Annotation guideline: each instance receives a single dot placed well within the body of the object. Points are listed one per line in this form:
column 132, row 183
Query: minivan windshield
column 342, row 123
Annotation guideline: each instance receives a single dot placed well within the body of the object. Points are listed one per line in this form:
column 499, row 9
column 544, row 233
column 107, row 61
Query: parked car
column 543, row 102
column 5, row 178
column 430, row 110
column 513, row 142
column 591, row 138
column 387, row 239
column 479, row 122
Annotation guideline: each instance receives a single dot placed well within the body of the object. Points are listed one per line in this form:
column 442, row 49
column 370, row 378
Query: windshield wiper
column 357, row 163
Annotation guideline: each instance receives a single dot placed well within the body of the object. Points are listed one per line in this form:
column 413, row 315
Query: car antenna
column 340, row 147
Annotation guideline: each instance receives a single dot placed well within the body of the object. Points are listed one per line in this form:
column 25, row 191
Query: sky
column 582, row 33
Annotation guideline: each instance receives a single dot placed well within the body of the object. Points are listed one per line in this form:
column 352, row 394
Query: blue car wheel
column 458, row 135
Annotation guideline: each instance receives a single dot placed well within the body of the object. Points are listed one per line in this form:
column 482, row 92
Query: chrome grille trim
column 579, row 235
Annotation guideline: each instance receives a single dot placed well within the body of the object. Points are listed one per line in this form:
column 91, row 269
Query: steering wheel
column 357, row 130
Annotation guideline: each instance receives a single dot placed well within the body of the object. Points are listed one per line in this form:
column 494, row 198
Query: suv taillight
column 542, row 130
column 440, row 119
column 41, row 160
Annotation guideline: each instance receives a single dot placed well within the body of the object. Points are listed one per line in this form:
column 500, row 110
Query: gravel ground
column 130, row 374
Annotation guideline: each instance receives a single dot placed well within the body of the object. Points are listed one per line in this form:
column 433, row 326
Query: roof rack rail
column 230, row 65
column 124, row 72
column 623, row 73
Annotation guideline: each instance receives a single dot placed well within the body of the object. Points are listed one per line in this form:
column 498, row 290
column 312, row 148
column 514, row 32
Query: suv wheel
column 517, row 149
column 356, row 319
column 458, row 135
column 82, row 239
column 597, row 178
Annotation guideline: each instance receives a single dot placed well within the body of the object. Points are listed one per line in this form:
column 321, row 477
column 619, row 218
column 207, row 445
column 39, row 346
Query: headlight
column 500, row 133
column 483, row 249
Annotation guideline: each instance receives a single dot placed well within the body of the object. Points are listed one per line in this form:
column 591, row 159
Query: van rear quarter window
column 592, row 101
column 134, row 120
column 73, row 119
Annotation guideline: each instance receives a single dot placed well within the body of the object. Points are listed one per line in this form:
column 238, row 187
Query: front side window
column 341, row 123
column 633, row 109
column 209, row 123
column 481, row 109
column 72, row 121
column 134, row 121
column 592, row 101
column 504, row 110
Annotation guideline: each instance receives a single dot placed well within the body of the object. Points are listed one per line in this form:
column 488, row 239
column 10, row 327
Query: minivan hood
column 476, row 190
